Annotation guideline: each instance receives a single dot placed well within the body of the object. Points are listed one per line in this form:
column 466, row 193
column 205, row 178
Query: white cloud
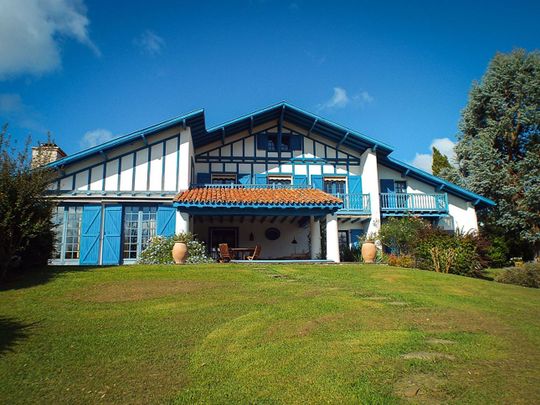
column 444, row 145
column 340, row 99
column 96, row 137
column 13, row 110
column 150, row 43
column 30, row 33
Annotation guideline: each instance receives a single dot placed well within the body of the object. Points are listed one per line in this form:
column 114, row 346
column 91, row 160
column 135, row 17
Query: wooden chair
column 256, row 253
column 224, row 255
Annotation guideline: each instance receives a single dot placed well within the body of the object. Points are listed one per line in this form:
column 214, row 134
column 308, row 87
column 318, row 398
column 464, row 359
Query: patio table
column 242, row 252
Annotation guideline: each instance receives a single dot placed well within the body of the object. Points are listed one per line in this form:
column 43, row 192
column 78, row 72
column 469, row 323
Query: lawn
column 267, row 334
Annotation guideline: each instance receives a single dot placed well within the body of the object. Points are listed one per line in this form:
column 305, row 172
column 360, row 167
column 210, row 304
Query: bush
column 498, row 252
column 401, row 261
column 399, row 234
column 527, row 275
column 350, row 254
column 159, row 250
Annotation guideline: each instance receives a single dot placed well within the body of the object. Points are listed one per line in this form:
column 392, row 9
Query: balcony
column 399, row 204
column 354, row 204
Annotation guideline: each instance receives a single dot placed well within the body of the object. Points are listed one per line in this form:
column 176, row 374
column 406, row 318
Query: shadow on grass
column 11, row 333
column 29, row 278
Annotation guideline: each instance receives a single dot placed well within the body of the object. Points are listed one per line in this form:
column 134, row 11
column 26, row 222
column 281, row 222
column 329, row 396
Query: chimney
column 46, row 153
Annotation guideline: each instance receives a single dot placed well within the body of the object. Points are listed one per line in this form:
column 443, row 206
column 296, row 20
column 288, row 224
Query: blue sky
column 399, row 72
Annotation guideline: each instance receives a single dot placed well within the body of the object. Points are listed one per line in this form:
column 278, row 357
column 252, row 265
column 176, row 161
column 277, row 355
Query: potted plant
column 180, row 247
column 369, row 250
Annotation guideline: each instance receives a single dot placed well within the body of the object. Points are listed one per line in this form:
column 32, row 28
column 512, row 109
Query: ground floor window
column 343, row 237
column 67, row 229
column 139, row 228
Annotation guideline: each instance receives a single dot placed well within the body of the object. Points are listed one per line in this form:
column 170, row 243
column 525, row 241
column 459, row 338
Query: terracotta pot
column 179, row 252
column 369, row 252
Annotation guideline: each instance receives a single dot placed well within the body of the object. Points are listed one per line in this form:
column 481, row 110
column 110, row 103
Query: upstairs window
column 270, row 141
column 223, row 179
column 280, row 180
column 333, row 185
column 400, row 186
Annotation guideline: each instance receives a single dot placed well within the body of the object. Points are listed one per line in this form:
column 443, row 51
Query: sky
column 399, row 72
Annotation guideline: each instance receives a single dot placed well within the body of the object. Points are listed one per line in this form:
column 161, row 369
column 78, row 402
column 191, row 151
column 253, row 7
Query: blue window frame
column 334, row 186
column 400, row 186
column 279, row 180
column 139, row 228
column 67, row 230
column 224, row 179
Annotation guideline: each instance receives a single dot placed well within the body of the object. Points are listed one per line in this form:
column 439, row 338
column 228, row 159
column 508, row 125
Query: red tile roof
column 239, row 196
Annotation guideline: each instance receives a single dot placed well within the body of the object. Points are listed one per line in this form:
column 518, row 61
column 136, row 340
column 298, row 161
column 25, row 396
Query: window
column 139, row 228
column 343, row 238
column 67, row 229
column 400, row 186
column 271, row 142
column 334, row 185
column 224, row 179
column 279, row 180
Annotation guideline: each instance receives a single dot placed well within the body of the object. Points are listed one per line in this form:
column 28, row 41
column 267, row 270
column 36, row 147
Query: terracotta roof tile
column 239, row 196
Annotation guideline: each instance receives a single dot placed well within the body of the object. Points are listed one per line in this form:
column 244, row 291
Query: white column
column 332, row 239
column 185, row 150
column 182, row 222
column 315, row 235
column 370, row 185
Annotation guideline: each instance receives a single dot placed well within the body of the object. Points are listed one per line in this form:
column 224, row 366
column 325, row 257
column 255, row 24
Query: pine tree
column 498, row 149
column 440, row 162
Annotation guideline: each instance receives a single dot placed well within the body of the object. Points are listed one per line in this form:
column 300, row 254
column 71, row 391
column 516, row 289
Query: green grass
column 266, row 334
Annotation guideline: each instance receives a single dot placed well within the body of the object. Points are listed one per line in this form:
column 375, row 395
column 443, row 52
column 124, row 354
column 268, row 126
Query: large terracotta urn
column 179, row 252
column 369, row 252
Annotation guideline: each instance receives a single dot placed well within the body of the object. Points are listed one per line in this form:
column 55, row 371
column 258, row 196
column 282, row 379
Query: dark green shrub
column 350, row 254
column 399, row 234
column 527, row 275
column 498, row 253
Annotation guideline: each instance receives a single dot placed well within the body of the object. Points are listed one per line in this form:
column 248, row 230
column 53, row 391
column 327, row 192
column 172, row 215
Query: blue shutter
column 112, row 234
column 355, row 187
column 296, row 142
column 245, row 178
column 260, row 179
column 166, row 221
column 204, row 178
column 90, row 232
column 317, row 181
column 262, row 141
column 355, row 234
column 300, row 180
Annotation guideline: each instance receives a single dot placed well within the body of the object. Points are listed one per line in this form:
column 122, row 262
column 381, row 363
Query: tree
column 26, row 235
column 440, row 162
column 498, row 152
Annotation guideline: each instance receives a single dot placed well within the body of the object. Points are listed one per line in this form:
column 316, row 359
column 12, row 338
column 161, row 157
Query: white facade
column 142, row 172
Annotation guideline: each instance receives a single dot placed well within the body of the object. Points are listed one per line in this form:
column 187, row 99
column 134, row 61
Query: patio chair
column 256, row 253
column 224, row 255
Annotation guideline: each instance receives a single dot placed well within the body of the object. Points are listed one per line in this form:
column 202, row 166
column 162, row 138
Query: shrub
column 498, row 252
column 527, row 275
column 401, row 261
column 350, row 254
column 159, row 250
column 399, row 234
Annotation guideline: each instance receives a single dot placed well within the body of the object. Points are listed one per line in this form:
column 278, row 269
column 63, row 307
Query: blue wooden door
column 260, row 179
column 90, row 233
column 355, row 234
column 317, row 181
column 245, row 178
column 355, row 192
column 387, row 186
column 112, row 234
column 203, row 178
column 300, row 180
column 166, row 221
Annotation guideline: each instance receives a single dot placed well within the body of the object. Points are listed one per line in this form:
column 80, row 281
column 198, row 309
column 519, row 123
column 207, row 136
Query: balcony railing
column 354, row 203
column 401, row 203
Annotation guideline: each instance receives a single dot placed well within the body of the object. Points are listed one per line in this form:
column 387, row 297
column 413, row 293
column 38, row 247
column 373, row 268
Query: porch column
column 332, row 239
column 182, row 222
column 315, row 236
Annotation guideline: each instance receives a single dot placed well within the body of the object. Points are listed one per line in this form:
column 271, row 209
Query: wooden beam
column 293, row 219
column 355, row 220
column 262, row 219
column 223, row 135
column 342, row 140
column 211, row 219
column 231, row 218
column 253, row 219
column 284, row 219
column 312, row 127
column 273, row 219
column 242, row 219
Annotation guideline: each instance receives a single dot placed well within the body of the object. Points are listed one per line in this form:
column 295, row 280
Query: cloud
column 96, row 137
column 31, row 31
column 13, row 110
column 149, row 43
column 340, row 99
column 444, row 145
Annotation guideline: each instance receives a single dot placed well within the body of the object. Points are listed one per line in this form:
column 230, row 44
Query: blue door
column 260, row 179
column 300, row 180
column 166, row 221
column 112, row 234
column 90, row 233
column 317, row 181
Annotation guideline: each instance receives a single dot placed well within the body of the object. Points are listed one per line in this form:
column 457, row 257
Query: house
column 284, row 178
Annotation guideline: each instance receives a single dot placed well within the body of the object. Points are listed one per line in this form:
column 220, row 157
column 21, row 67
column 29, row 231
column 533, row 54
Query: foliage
column 498, row 149
column 351, row 254
column 440, row 162
column 401, row 261
column 159, row 250
column 26, row 230
column 399, row 234
column 527, row 275
column 498, row 252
